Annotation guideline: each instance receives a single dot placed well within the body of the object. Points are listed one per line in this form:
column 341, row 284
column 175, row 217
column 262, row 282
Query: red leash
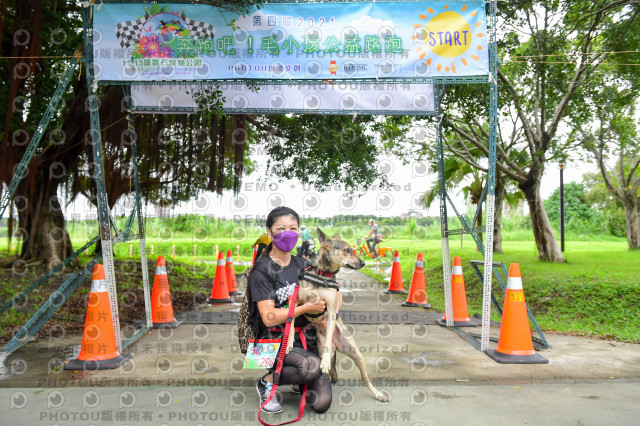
column 283, row 349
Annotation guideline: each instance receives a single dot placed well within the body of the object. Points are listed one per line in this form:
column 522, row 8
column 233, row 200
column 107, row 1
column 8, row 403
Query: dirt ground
column 71, row 315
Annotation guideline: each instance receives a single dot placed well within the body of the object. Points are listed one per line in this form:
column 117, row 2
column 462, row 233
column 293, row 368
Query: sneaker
column 264, row 389
column 295, row 388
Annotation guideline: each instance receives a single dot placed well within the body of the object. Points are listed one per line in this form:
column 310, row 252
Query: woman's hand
column 323, row 321
column 315, row 306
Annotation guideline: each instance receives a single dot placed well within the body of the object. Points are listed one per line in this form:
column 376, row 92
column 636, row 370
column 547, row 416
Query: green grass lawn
column 594, row 293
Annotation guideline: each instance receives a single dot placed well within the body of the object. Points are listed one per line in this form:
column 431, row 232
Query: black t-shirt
column 270, row 281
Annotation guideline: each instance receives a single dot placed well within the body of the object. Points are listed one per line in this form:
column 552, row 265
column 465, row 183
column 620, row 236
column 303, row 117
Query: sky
column 258, row 197
column 410, row 182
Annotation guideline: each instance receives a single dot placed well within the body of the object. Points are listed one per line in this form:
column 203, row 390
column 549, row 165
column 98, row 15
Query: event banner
column 401, row 40
column 336, row 98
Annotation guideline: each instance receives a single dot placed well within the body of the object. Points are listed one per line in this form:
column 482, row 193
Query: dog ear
column 323, row 238
column 336, row 236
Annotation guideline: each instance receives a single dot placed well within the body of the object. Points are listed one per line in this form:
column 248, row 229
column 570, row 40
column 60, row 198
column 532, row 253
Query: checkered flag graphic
column 199, row 29
column 128, row 32
column 283, row 293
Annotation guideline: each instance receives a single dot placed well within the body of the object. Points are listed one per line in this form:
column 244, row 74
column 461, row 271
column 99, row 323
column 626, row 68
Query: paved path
column 432, row 375
column 456, row 404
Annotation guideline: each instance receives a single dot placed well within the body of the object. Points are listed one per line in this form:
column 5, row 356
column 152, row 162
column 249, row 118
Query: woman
column 270, row 284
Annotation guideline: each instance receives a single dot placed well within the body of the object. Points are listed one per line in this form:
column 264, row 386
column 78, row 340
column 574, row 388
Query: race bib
column 261, row 354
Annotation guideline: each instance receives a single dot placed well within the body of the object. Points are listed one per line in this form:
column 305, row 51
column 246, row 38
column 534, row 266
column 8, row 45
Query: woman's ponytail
column 266, row 251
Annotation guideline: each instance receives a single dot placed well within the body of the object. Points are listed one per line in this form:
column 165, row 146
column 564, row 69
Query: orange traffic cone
column 219, row 292
column 459, row 298
column 232, row 283
column 514, row 344
column 395, row 282
column 161, row 307
column 98, row 350
column 354, row 250
column 255, row 251
column 418, row 290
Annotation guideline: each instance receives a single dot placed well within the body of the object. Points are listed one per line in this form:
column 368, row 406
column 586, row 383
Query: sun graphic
column 449, row 35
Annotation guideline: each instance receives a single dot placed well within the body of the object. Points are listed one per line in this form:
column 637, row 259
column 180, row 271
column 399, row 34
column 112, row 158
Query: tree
column 325, row 149
column 456, row 172
column 551, row 45
column 580, row 215
column 575, row 203
column 599, row 197
column 26, row 33
column 179, row 156
column 614, row 144
column 611, row 133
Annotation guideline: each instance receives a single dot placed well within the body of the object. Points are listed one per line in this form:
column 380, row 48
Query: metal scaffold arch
column 109, row 234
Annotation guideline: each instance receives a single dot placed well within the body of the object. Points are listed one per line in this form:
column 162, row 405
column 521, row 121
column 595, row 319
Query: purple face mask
column 285, row 240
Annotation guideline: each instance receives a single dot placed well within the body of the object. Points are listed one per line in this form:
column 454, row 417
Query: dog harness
column 320, row 278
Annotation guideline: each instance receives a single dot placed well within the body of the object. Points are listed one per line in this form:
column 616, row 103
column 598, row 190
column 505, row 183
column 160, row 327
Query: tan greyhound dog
column 319, row 281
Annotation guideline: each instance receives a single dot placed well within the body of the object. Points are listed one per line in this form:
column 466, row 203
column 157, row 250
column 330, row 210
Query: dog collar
column 325, row 274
